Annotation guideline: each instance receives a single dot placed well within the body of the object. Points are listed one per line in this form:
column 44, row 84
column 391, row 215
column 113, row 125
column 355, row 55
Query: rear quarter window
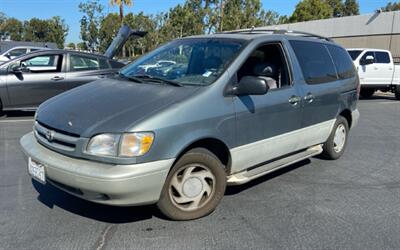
column 315, row 62
column 342, row 60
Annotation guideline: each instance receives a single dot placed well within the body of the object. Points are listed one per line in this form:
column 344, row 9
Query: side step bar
column 248, row 175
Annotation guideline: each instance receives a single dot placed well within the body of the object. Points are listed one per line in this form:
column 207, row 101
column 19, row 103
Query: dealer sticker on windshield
column 36, row 170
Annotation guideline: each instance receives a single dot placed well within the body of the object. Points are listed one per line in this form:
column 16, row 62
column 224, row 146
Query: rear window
column 343, row 63
column 382, row 57
column 315, row 62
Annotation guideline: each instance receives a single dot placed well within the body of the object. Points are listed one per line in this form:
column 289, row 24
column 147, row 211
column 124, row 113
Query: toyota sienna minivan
column 230, row 108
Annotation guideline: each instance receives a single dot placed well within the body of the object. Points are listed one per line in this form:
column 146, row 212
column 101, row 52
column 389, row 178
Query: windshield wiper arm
column 159, row 79
column 130, row 78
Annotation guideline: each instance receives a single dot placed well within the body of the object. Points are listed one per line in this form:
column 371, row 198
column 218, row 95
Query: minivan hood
column 108, row 106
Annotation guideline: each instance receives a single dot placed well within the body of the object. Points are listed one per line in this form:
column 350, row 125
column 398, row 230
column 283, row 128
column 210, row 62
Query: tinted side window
column 103, row 64
column 315, row 62
column 82, row 63
column 17, row 52
column 382, row 57
column 343, row 63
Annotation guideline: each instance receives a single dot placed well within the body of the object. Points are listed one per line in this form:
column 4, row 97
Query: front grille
column 54, row 138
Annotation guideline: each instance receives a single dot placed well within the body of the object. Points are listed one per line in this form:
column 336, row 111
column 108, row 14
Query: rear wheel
column 1, row 110
column 194, row 186
column 367, row 93
column 397, row 92
column 337, row 141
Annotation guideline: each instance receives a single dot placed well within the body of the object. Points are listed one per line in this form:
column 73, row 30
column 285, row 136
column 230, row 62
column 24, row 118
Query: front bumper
column 121, row 185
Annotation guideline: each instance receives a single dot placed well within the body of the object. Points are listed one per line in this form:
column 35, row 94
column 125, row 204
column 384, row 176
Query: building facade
column 379, row 30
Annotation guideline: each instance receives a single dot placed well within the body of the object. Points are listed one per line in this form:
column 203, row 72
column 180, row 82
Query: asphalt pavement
column 351, row 203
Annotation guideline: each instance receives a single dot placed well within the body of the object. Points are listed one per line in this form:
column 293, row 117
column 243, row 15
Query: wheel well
column 216, row 146
column 347, row 114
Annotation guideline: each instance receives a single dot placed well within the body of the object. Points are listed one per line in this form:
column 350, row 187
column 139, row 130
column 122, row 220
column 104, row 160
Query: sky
column 69, row 11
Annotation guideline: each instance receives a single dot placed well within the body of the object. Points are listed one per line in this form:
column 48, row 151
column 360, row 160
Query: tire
column 397, row 92
column 367, row 93
column 333, row 148
column 1, row 110
column 194, row 186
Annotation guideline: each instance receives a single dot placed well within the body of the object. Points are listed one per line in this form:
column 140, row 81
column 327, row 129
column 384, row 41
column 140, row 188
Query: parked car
column 377, row 71
column 250, row 102
column 18, row 51
column 158, row 64
column 29, row 80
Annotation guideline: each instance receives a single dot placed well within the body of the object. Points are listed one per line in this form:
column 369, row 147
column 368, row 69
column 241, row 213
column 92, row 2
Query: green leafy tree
column 82, row 46
column 141, row 22
column 12, row 28
column 108, row 29
column 351, row 8
column 58, row 30
column 307, row 10
column 337, row 7
column 71, row 45
column 392, row 6
column 90, row 22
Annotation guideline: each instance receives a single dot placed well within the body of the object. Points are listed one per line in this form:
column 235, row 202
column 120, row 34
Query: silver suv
column 232, row 107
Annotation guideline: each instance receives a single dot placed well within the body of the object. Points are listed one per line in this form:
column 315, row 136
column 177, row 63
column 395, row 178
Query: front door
column 266, row 125
column 41, row 78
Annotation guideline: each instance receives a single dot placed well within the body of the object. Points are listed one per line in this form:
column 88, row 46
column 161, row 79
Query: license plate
column 36, row 170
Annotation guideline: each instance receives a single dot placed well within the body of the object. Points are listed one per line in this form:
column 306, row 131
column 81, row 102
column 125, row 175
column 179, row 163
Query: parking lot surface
column 351, row 203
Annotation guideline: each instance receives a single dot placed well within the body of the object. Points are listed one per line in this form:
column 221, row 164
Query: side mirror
column 16, row 69
column 8, row 55
column 250, row 85
column 368, row 60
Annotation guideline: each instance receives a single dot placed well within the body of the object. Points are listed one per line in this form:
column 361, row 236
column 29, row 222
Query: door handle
column 57, row 78
column 309, row 98
column 294, row 100
column 102, row 76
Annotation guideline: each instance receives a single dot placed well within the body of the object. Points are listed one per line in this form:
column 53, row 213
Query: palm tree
column 120, row 4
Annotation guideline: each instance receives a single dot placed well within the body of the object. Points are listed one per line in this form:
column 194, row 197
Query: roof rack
column 277, row 31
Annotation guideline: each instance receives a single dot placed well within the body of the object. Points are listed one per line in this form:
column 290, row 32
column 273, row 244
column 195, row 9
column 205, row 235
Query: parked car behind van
column 248, row 102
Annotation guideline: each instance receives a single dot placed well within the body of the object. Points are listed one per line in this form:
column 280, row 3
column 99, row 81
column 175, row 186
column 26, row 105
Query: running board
column 251, row 174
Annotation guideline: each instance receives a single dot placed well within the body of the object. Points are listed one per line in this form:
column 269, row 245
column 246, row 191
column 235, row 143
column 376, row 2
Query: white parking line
column 15, row 120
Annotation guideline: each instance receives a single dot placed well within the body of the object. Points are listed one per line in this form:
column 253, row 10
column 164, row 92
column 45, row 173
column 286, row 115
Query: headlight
column 125, row 145
column 104, row 145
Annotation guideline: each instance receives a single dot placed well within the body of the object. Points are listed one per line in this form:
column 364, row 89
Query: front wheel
column 334, row 147
column 367, row 93
column 194, row 186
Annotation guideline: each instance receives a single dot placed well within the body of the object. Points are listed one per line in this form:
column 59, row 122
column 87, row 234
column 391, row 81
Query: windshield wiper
column 158, row 79
column 130, row 78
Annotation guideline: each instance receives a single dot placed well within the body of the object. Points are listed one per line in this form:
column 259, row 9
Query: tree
column 81, row 46
column 12, row 28
column 351, row 8
column 58, row 30
column 71, row 45
column 108, row 29
column 120, row 4
column 337, row 7
column 90, row 22
column 392, row 6
column 307, row 10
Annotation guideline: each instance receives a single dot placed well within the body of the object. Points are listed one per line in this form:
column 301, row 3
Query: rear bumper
column 355, row 116
column 121, row 185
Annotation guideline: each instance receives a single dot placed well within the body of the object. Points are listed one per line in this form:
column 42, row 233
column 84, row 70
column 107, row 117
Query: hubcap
column 340, row 138
column 192, row 187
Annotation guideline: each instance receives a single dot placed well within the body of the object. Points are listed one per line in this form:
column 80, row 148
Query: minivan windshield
column 193, row 61
column 354, row 54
